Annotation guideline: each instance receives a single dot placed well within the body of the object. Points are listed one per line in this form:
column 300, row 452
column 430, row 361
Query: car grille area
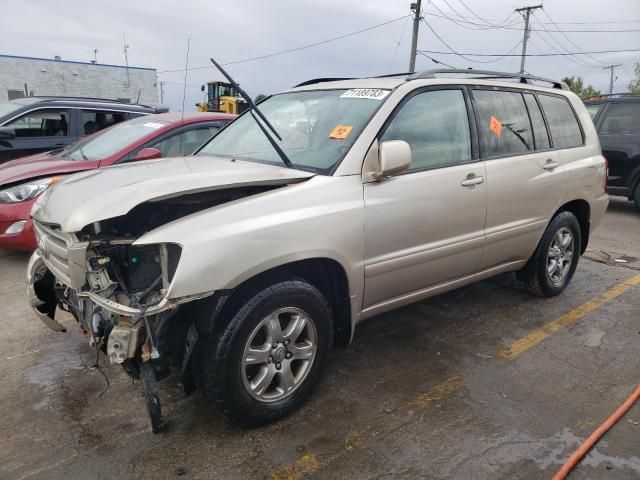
column 63, row 254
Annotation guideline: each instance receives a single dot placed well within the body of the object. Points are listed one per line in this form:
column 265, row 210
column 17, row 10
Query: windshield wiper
column 254, row 108
column 84, row 157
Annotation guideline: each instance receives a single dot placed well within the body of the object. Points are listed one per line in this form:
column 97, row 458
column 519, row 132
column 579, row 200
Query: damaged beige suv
column 330, row 203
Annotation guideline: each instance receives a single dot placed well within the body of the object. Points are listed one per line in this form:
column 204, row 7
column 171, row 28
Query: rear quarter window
column 563, row 124
column 621, row 119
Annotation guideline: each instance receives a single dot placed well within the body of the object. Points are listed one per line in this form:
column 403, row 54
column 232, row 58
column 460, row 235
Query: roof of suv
column 87, row 102
column 439, row 76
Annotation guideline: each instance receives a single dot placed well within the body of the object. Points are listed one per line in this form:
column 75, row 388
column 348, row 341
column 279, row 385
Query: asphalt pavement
column 485, row 382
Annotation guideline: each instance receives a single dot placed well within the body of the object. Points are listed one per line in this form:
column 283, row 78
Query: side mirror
column 7, row 133
column 148, row 154
column 394, row 156
column 202, row 88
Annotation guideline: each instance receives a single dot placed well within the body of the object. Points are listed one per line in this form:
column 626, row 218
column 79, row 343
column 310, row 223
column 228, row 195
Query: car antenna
column 254, row 108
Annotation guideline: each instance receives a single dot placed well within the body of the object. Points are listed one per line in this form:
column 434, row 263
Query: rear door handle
column 471, row 181
column 550, row 165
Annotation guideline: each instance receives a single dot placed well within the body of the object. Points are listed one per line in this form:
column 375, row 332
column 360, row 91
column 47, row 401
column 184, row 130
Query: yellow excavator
column 221, row 97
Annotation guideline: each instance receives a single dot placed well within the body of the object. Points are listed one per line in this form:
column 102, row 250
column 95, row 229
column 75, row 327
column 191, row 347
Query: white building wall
column 63, row 78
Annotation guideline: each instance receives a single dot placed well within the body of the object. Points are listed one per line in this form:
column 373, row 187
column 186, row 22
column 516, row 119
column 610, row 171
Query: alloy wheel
column 560, row 256
column 278, row 354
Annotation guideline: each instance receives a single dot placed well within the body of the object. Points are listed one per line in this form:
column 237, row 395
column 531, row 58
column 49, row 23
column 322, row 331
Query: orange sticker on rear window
column 341, row 132
column 495, row 126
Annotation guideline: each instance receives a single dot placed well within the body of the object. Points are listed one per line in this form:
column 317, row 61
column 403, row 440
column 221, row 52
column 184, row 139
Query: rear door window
column 563, row 124
column 503, row 122
column 42, row 123
column 540, row 134
column 621, row 119
column 95, row 120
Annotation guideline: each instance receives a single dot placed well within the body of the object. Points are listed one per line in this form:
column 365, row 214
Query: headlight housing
column 26, row 191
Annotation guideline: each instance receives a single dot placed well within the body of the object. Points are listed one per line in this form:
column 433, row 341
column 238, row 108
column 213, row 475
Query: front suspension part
column 152, row 400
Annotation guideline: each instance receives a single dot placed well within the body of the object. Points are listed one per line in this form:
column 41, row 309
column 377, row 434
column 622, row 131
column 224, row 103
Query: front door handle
column 470, row 181
column 550, row 165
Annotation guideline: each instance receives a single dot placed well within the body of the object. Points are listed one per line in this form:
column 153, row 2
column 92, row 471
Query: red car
column 143, row 138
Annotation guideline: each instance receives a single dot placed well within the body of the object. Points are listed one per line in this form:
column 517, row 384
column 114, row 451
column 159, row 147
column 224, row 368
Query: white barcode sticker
column 370, row 93
column 152, row 125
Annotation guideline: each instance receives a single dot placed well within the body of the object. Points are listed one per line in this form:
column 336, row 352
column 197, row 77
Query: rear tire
column 550, row 269
column 270, row 353
column 636, row 196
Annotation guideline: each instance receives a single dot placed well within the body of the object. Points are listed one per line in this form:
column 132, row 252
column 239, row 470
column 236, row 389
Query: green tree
column 576, row 85
column 259, row 98
column 634, row 86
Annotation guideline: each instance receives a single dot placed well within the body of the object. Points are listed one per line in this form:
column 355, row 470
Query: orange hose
column 596, row 435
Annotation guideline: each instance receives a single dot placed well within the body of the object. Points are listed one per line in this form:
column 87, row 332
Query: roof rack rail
column 91, row 99
column 321, row 80
column 391, row 75
column 523, row 78
column 609, row 95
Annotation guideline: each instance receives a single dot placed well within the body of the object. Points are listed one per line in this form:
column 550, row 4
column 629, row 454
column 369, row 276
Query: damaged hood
column 97, row 195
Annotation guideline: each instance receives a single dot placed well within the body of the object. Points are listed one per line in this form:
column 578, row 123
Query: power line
column 322, row 42
column 461, row 23
column 434, row 60
column 491, row 23
column 599, row 64
column 466, row 17
column 532, row 54
column 576, row 60
column 509, row 27
column 462, row 55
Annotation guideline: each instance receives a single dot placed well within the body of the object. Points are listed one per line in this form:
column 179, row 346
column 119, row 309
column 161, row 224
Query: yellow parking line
column 438, row 392
column 303, row 467
column 525, row 343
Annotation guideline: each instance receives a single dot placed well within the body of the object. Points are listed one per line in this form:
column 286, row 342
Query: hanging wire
column 296, row 49
column 404, row 27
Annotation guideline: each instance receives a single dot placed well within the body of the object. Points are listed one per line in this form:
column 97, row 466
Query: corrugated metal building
column 21, row 76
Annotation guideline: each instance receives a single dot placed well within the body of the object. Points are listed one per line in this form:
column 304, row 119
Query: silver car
column 243, row 264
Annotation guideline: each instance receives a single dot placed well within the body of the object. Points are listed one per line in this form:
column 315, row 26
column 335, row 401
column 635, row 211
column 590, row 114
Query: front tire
column 270, row 354
column 550, row 269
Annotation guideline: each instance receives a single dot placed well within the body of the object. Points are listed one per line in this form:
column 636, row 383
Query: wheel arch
column 327, row 275
column 582, row 210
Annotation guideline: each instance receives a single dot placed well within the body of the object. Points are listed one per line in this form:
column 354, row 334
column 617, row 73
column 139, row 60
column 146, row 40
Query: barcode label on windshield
column 370, row 93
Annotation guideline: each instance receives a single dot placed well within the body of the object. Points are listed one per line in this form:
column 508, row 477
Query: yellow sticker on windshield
column 341, row 132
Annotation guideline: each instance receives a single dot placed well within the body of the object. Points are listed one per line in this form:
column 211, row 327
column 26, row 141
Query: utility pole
column 527, row 32
column 126, row 58
column 612, row 68
column 162, row 93
column 415, row 8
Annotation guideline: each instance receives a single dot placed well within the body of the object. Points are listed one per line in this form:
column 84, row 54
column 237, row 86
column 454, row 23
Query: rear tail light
column 606, row 175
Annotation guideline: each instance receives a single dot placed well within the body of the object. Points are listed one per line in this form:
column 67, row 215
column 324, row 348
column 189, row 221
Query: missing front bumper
column 41, row 294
